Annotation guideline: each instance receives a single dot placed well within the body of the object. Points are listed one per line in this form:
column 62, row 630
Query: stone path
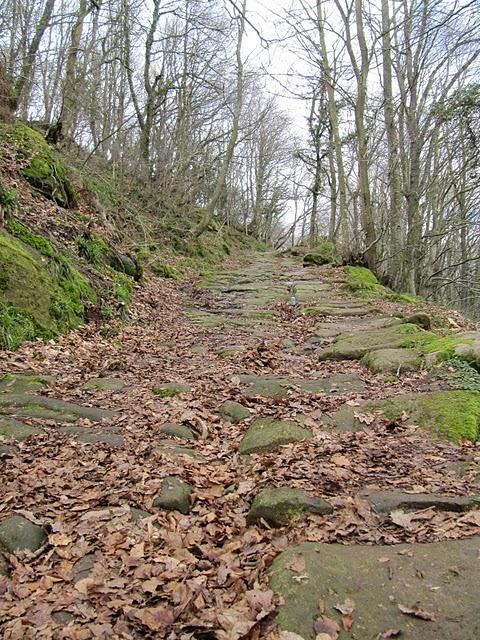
column 392, row 586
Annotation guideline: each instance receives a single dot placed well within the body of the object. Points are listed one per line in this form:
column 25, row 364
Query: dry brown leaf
column 327, row 626
column 415, row 611
column 401, row 518
column 297, row 564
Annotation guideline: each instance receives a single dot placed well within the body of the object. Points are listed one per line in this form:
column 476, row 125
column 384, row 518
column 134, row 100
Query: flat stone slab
column 386, row 501
column 16, row 533
column 450, row 415
column 233, row 411
column 36, row 406
column 111, row 437
column 266, row 434
column 278, row 387
column 104, row 384
column 175, row 450
column 333, row 329
column 353, row 346
column 11, row 428
column 174, row 495
column 23, row 382
column 179, row 431
column 280, row 505
column 440, row 578
column 393, row 360
column 342, row 311
column 171, row 389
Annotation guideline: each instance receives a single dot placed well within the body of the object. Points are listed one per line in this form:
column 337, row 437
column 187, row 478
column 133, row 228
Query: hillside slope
column 76, row 238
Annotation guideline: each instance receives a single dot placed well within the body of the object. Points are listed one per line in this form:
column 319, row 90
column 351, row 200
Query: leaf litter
column 205, row 574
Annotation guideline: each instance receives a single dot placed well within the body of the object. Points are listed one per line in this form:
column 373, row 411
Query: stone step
column 388, row 588
column 36, row 406
column 278, row 386
column 451, row 415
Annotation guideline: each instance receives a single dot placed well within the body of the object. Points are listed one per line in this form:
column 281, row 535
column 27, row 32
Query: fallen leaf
column 340, row 461
column 415, row 611
column 401, row 518
column 297, row 564
column 326, row 626
column 346, row 607
column 389, row 633
column 289, row 635
column 155, row 618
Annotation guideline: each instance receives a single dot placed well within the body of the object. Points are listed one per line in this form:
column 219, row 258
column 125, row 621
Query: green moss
column 26, row 235
column 362, row 280
column 164, row 270
column 450, row 415
column 322, row 253
column 445, row 346
column 43, row 169
column 457, row 414
column 41, row 292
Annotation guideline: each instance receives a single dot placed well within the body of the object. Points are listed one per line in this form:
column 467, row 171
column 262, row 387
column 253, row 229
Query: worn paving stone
column 16, row 532
column 179, row 431
column 353, row 346
column 279, row 505
column 266, row 434
column 174, row 495
column 393, row 360
column 450, row 415
column 170, row 448
column 350, row 311
column 24, row 382
column 378, row 579
column 233, row 411
column 171, row 389
column 11, row 428
column 36, row 406
column 386, row 501
column 104, row 384
column 278, row 387
column 111, row 436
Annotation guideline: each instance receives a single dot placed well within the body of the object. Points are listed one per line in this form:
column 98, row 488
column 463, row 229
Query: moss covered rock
column 393, row 360
column 16, row 532
column 11, row 428
column 174, row 495
column 378, row 579
column 345, row 310
column 104, row 384
column 178, row 431
column 278, row 387
column 41, row 292
column 353, row 346
column 43, row 168
column 450, row 415
column 36, row 406
column 323, row 253
column 171, row 389
column 280, row 505
column 23, row 382
column 266, row 434
column 233, row 411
